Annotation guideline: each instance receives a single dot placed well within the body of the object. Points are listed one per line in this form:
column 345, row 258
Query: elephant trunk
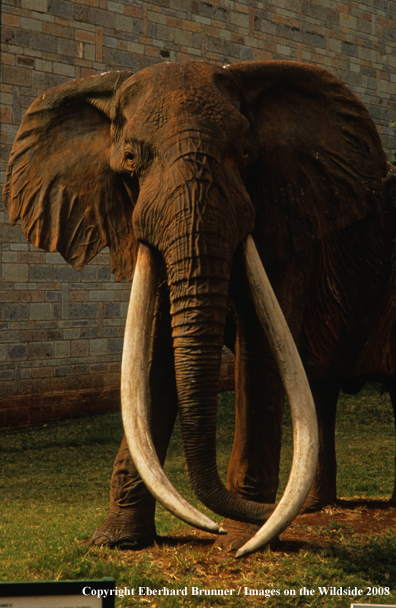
column 198, row 288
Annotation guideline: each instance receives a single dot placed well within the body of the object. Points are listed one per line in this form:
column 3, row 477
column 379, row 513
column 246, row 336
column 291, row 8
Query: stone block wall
column 60, row 330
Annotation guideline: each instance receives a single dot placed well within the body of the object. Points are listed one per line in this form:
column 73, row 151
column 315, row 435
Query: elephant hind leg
column 389, row 385
column 324, row 487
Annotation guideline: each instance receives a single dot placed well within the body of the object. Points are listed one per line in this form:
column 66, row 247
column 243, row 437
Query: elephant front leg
column 253, row 469
column 130, row 522
column 324, row 488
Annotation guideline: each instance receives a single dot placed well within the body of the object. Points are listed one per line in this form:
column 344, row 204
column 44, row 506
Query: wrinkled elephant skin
column 176, row 166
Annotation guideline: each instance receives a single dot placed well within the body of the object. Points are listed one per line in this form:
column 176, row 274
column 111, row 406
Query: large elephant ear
column 320, row 163
column 59, row 182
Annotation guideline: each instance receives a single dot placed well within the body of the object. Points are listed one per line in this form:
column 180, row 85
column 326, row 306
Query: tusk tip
column 222, row 530
column 240, row 553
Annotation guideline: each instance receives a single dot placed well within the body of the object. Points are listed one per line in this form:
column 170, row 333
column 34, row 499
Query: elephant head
column 182, row 162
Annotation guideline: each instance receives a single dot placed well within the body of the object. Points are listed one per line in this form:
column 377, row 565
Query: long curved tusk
column 134, row 390
column 302, row 408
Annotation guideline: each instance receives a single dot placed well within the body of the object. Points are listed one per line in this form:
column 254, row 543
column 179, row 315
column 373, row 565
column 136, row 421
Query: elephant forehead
column 173, row 93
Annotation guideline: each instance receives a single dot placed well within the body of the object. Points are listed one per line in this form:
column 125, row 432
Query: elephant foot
column 315, row 503
column 121, row 530
column 238, row 533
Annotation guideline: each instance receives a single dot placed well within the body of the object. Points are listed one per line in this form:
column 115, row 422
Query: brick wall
column 61, row 335
column 60, row 330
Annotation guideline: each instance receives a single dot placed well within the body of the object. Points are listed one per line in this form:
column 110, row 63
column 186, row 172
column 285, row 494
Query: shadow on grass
column 367, row 503
column 376, row 558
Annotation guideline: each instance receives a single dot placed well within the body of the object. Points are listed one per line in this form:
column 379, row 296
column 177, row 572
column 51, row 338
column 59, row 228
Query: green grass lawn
column 54, row 489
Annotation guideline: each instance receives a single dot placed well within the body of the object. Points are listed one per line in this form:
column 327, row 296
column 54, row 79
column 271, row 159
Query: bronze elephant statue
column 196, row 175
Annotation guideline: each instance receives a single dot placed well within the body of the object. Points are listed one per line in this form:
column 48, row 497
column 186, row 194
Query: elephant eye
column 130, row 160
column 137, row 157
column 246, row 151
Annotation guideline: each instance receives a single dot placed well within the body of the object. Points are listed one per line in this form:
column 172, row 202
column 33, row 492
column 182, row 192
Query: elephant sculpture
column 194, row 175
